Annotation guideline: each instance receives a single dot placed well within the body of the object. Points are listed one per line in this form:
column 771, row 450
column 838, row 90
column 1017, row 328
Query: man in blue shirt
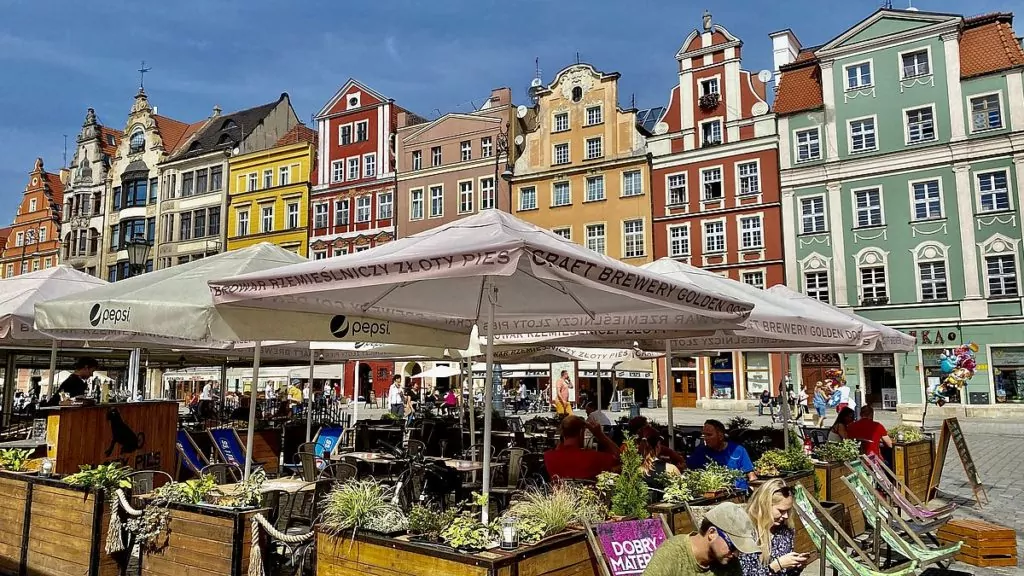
column 716, row 448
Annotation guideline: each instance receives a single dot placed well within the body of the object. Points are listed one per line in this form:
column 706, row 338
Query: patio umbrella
column 490, row 269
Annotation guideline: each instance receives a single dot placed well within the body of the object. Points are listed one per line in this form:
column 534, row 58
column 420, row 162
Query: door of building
column 813, row 367
column 684, row 378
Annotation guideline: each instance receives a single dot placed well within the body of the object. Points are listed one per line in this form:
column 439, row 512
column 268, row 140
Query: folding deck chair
column 189, row 455
column 229, row 447
column 921, row 519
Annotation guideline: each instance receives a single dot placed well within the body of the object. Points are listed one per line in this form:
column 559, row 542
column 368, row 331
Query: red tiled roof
column 5, row 233
column 56, row 188
column 988, row 44
column 800, row 87
column 172, row 131
column 108, row 149
column 300, row 133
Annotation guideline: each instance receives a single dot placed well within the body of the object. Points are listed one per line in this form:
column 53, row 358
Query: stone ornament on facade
column 581, row 76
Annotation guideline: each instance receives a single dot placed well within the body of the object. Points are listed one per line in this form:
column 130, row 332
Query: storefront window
column 933, row 375
column 758, row 368
column 723, row 380
column 1008, row 370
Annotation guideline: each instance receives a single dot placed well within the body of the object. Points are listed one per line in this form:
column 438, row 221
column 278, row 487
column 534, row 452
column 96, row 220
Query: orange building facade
column 33, row 240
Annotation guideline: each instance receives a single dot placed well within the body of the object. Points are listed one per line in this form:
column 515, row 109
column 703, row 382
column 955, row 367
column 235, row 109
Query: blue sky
column 59, row 58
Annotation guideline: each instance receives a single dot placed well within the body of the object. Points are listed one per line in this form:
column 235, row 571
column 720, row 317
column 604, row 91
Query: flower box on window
column 709, row 102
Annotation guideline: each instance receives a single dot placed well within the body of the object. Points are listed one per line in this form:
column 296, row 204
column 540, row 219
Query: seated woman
column 838, row 430
column 771, row 509
column 650, row 445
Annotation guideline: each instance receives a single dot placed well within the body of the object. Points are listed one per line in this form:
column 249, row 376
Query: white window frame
column 483, row 193
column 252, row 184
column 560, row 229
column 906, row 126
column 268, row 178
column 413, row 204
column 416, row 159
column 430, row 204
column 874, row 285
column 705, row 236
column 1006, row 247
column 672, row 252
column 872, row 257
column 1002, row 277
column 327, row 215
column 533, row 190
column 916, row 50
column 32, row 205
column 351, row 134
column 600, row 115
column 554, row 154
column 467, row 200
column 264, row 229
column 486, row 147
column 721, row 130
column 291, row 215
column 796, row 144
column 342, row 206
column 437, row 160
column 717, row 79
column 721, row 183
column 739, row 178
column 759, row 216
column 750, row 271
column 568, row 187
column 970, row 111
column 603, row 238
column 352, row 169
column 366, row 199
column 881, row 206
column 586, row 147
column 370, row 161
column 643, row 238
column 555, row 129
column 355, row 130
column 914, row 201
column 942, row 258
column 465, row 151
column 668, row 189
column 817, row 290
column 640, row 186
column 338, row 170
column 319, row 254
column 284, row 175
column 978, row 191
column 846, row 75
column 241, row 230
column 824, row 212
column 849, row 133
column 586, row 191
column 390, row 197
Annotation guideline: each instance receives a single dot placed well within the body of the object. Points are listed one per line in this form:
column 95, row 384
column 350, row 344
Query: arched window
column 931, row 268
column 1001, row 263
column 872, row 276
column 815, row 276
column 577, row 94
column 228, row 125
column 137, row 143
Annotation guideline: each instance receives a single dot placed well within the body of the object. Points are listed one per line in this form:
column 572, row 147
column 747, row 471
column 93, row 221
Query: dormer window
column 228, row 125
column 195, row 147
column 110, row 140
column 577, row 94
column 137, row 143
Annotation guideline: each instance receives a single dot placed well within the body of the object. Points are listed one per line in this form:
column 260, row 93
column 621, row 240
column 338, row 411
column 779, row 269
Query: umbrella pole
column 309, row 408
column 252, row 409
column 669, row 389
column 355, row 394
column 53, row 368
column 492, row 295
column 471, row 399
column 784, row 410
column 599, row 385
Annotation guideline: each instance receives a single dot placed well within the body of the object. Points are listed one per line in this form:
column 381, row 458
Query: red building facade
column 715, row 199
column 33, row 241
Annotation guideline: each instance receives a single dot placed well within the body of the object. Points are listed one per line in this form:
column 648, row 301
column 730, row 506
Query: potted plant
column 841, row 451
column 427, row 522
column 14, row 460
column 363, row 504
column 905, row 434
column 630, row 496
column 737, row 423
column 776, row 462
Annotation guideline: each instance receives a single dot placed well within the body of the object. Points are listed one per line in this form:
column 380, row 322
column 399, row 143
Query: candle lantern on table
column 509, row 533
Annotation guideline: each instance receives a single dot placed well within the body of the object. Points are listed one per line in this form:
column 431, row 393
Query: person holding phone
column 771, row 512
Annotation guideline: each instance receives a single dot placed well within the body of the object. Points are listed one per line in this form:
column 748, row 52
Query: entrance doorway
column 880, row 381
column 813, row 368
column 684, row 382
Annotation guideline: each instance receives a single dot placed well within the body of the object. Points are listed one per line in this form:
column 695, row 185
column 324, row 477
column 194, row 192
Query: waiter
column 76, row 384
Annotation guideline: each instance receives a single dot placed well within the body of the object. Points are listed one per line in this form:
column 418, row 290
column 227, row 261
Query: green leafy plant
column 389, row 416
column 899, row 433
column 150, row 529
column 195, row 491
column 466, row 532
column 363, row 504
column 565, row 505
column 776, row 462
column 677, row 490
column 15, row 460
column 630, row 496
column 106, row 476
column 711, row 479
column 429, row 521
column 248, row 493
column 738, row 423
column 606, row 484
column 842, row 451
column 531, row 530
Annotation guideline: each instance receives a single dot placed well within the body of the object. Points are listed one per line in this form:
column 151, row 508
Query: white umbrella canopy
column 20, row 294
column 439, row 372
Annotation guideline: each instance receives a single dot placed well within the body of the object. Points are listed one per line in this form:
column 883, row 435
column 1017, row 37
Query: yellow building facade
column 584, row 172
column 269, row 195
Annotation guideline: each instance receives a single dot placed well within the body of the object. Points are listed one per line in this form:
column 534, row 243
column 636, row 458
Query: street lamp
column 501, row 147
column 138, row 253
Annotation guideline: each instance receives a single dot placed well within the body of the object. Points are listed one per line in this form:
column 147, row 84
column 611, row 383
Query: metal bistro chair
column 415, row 449
column 307, row 462
column 339, row 472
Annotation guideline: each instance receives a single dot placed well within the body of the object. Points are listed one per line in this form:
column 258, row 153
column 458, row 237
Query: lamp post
column 501, row 149
column 138, row 253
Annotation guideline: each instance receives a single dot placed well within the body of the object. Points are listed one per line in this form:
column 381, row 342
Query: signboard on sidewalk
column 951, row 431
column 627, row 547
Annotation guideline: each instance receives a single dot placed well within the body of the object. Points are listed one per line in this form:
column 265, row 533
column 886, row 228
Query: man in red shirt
column 571, row 461
column 871, row 434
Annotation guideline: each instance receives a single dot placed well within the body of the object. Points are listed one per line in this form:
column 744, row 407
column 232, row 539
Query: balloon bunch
column 957, row 366
column 834, row 378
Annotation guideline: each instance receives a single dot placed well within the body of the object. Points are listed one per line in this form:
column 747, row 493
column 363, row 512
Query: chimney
column 785, row 48
column 500, row 96
column 403, row 119
column 216, row 111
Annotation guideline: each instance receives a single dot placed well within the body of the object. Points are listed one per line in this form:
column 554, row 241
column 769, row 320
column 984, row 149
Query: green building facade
column 901, row 156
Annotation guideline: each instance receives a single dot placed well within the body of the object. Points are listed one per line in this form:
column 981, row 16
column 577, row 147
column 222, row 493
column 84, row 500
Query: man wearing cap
column 725, row 533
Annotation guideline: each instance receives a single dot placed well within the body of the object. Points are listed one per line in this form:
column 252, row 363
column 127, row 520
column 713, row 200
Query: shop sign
column 642, row 375
column 878, row 361
column 1007, row 357
column 932, row 336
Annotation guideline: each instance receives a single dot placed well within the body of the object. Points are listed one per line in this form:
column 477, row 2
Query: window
column 201, row 177
column 253, row 183
column 633, row 238
column 754, row 278
column 42, row 234
column 137, row 143
column 808, row 145
column 594, row 148
column 994, row 192
column 632, row 183
column 319, row 254
column 709, row 86
column 986, row 113
column 466, row 197
column 242, row 223
column 268, row 179
column 341, row 210
column 293, row 215
column 577, row 93
column 594, row 115
column 712, row 178
column 560, row 194
column 369, row 165
column 362, row 131
column 714, row 236
column 213, row 220
column 199, row 224
column 915, row 64
column 858, row 76
column 862, row 135
column 385, row 206
column 562, row 153
column 337, row 170
column 19, row 239
column 284, row 176
column 812, row 215
column 488, row 199
column 363, row 209
column 436, row 201
column 933, row 281
column 563, row 232
column 816, row 286
column 188, row 181
column 345, row 134
column 750, row 180
column 466, row 150
column 528, row 198
column 417, row 159
column 10, row 271
column 216, row 178
column 595, row 188
column 32, row 205
column 486, row 147
column 435, row 156
column 868, row 205
column 596, row 238
column 353, row 168
column 927, row 201
column 320, row 215
column 266, row 219
column 751, row 232
column 135, row 193
column 676, row 189
column 561, row 122
column 711, row 132
column 678, row 241
column 416, row 204
column 872, row 283
column 920, row 125
column 1002, row 275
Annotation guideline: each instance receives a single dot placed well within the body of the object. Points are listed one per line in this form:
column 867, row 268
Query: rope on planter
column 118, row 502
column 255, row 549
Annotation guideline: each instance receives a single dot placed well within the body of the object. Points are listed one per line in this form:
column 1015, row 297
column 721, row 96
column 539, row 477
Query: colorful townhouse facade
column 33, row 241
column 584, row 172
column 279, row 213
column 901, row 178
column 452, row 167
column 715, row 200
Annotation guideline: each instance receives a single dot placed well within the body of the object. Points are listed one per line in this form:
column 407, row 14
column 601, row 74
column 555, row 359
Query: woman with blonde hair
column 771, row 511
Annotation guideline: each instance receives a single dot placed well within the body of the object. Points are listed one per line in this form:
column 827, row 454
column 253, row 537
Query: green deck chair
column 811, row 514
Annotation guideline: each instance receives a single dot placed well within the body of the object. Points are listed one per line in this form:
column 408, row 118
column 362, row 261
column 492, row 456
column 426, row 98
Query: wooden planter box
column 562, row 554
column 912, row 463
column 831, row 487
column 50, row 528
column 204, row 541
column 679, row 519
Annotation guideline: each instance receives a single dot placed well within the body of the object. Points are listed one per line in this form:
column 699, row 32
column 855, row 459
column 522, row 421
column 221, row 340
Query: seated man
column 639, row 426
column 716, row 448
column 597, row 416
column 872, row 435
column 725, row 532
column 571, row 461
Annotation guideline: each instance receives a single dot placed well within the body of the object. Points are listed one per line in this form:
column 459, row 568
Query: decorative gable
column 884, row 23
column 352, row 96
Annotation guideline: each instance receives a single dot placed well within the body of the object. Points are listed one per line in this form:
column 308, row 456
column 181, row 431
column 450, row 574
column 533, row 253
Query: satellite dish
column 521, row 111
column 764, row 76
column 519, row 138
column 535, row 83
